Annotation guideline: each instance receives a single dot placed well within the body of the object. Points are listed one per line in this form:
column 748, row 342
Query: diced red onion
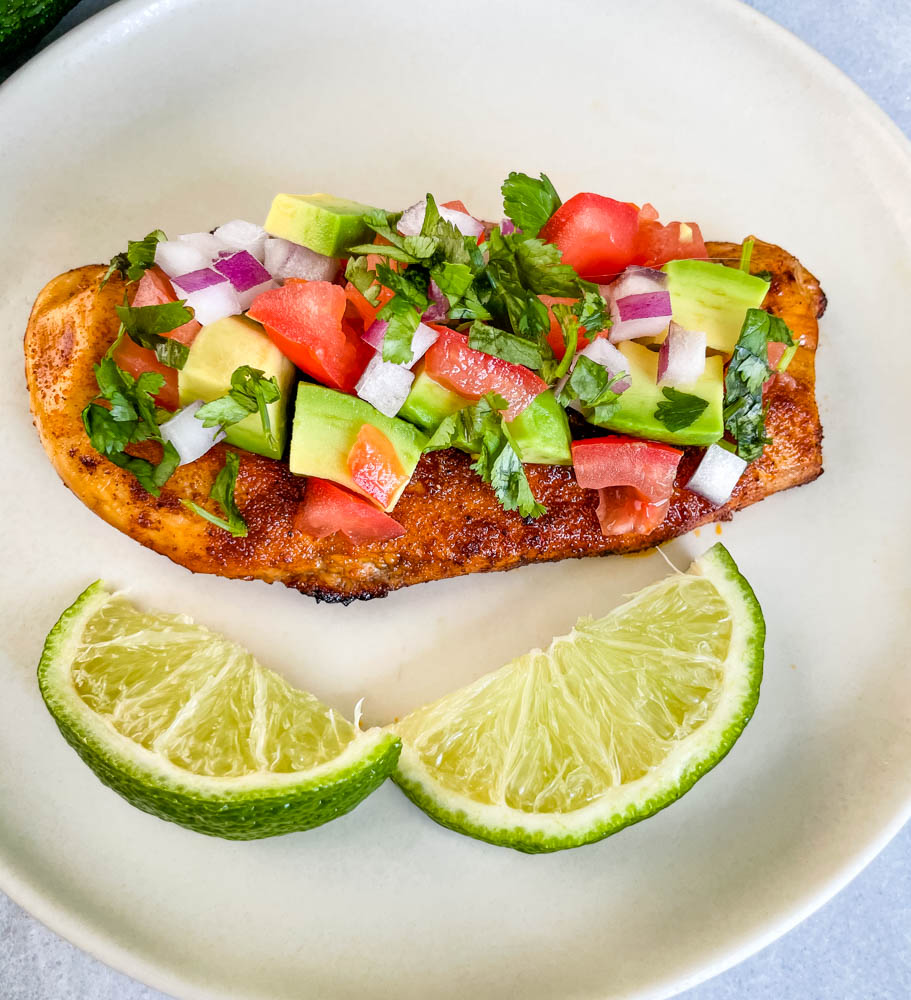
column 178, row 257
column 507, row 227
column 240, row 235
column 285, row 259
column 197, row 280
column 717, row 475
column 637, row 281
column 439, row 304
column 204, row 242
column 375, row 333
column 246, row 274
column 209, row 299
column 188, row 435
column 642, row 315
column 422, row 340
column 681, row 360
column 385, row 385
column 413, row 218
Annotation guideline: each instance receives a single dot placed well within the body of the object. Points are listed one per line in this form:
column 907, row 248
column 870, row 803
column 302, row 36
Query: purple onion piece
column 196, row 281
column 507, row 227
column 648, row 305
column 242, row 269
column 375, row 333
column 439, row 304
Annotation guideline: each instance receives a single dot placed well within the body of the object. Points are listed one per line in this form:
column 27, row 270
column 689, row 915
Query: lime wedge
column 613, row 722
column 189, row 727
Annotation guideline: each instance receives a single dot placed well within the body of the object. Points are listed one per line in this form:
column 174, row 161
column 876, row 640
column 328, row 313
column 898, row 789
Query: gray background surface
column 858, row 947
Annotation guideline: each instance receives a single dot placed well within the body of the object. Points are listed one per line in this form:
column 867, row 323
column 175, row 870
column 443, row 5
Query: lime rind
column 257, row 805
column 636, row 800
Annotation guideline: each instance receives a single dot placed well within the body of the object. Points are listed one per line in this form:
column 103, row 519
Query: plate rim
column 133, row 15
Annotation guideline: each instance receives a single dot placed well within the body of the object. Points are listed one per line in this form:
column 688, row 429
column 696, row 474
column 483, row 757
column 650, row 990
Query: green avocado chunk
column 713, row 298
column 320, row 222
column 429, row 403
column 540, row 433
column 635, row 413
column 326, row 426
column 217, row 352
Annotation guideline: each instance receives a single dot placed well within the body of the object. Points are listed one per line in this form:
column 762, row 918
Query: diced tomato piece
column 657, row 244
column 646, row 466
column 365, row 310
column 375, row 465
column 776, row 350
column 622, row 509
column 596, row 235
column 154, row 289
column 456, row 206
column 473, row 374
column 328, row 508
column 306, row 321
column 555, row 335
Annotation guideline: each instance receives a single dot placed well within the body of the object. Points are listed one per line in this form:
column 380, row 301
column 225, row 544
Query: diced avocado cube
column 429, row 403
column 220, row 348
column 320, row 222
column 713, row 298
column 540, row 433
column 326, row 425
column 635, row 413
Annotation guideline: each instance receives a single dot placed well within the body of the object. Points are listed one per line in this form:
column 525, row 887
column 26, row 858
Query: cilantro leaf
column 410, row 284
column 453, row 280
column 744, row 412
column 592, row 386
column 222, row 493
column 680, row 409
column 138, row 256
column 527, row 314
column 250, row 392
column 500, row 344
column 541, row 269
column 593, row 312
column 146, row 324
column 129, row 418
column 403, row 320
column 481, row 431
column 529, row 202
column 569, row 328
column 363, row 279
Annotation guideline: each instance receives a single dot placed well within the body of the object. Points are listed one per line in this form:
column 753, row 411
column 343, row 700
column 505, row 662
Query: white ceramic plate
column 182, row 115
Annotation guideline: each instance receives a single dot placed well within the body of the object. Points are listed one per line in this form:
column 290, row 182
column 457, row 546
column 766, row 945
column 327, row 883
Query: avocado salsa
column 349, row 341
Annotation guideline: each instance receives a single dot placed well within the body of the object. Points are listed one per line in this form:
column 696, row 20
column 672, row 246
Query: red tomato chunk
column 306, row 321
column 646, row 466
column 375, row 466
column 328, row 508
column 473, row 374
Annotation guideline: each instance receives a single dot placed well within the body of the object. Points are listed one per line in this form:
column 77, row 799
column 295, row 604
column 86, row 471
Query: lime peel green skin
column 408, row 775
column 206, row 805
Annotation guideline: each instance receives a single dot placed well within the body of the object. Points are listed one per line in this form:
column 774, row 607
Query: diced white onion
column 240, row 235
column 204, row 242
column 423, row 339
column 188, row 435
column 214, row 302
column 385, row 385
column 178, row 257
column 681, row 360
column 717, row 475
column 284, row 259
column 413, row 218
column 637, row 281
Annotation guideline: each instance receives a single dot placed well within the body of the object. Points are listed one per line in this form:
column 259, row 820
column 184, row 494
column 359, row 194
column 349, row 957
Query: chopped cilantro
column 129, row 419
column 403, row 320
column 481, row 431
column 146, row 324
column 541, row 269
column 500, row 344
column 363, row 279
column 593, row 312
column 453, row 280
column 222, row 493
column 680, row 409
column 250, row 392
column 592, row 386
column 569, row 328
column 138, row 256
column 529, row 202
column 744, row 413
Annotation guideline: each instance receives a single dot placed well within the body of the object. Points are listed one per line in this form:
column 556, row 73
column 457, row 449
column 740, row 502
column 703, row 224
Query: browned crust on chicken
column 454, row 524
